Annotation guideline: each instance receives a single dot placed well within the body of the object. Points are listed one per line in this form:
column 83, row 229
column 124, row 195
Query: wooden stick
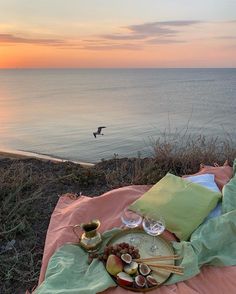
column 176, row 267
column 170, row 268
column 167, row 270
column 160, row 274
column 156, row 258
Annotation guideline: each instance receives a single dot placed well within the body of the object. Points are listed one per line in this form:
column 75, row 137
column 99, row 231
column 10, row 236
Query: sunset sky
column 117, row 33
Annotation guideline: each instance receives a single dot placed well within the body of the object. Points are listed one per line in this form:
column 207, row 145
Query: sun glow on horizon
column 128, row 41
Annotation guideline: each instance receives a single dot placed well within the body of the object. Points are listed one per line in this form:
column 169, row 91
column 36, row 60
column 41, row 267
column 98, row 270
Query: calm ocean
column 55, row 112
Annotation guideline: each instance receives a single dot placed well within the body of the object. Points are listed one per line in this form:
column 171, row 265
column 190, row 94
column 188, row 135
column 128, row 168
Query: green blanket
column 212, row 243
column 68, row 272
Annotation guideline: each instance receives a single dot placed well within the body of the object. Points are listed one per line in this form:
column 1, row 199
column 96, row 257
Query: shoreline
column 17, row 154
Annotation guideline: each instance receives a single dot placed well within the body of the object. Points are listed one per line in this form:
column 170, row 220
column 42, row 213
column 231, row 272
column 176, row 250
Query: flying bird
column 98, row 132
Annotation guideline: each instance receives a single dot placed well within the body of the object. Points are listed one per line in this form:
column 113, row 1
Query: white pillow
column 208, row 181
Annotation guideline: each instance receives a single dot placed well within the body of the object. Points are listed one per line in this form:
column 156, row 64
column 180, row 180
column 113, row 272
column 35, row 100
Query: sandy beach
column 16, row 154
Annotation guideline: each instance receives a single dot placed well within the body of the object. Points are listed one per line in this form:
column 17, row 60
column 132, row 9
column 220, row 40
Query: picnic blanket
column 212, row 243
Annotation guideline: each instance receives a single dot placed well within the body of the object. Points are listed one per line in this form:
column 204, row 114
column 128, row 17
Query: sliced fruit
column 140, row 281
column 126, row 257
column 144, row 269
column 151, row 282
column 131, row 268
column 123, row 279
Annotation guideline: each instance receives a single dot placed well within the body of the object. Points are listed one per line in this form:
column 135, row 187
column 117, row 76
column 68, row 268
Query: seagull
column 98, row 132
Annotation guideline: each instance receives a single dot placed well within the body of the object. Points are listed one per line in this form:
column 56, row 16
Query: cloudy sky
column 117, row 33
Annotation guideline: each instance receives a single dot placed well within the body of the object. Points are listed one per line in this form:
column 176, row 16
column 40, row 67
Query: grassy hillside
column 29, row 190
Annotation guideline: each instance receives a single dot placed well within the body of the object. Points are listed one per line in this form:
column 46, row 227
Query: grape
column 116, row 249
column 122, row 248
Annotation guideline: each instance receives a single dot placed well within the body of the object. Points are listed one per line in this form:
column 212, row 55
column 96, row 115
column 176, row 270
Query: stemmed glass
column 153, row 227
column 131, row 220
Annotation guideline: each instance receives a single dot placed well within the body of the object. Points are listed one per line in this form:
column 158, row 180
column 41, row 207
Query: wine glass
column 131, row 220
column 153, row 227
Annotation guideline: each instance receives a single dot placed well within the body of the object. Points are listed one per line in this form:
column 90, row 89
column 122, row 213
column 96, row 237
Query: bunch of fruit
column 120, row 249
column 116, row 249
column 119, row 260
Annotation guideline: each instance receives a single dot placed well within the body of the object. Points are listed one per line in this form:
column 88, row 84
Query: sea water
column 56, row 111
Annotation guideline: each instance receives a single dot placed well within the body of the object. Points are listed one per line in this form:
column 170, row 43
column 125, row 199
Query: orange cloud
column 12, row 39
column 156, row 44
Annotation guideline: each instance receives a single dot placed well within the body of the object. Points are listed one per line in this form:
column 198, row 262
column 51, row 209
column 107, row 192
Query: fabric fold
column 213, row 243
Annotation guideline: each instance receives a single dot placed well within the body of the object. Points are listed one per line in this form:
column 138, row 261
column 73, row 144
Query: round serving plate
column 164, row 248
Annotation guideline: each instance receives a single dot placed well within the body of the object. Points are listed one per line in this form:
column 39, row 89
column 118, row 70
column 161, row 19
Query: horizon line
column 75, row 68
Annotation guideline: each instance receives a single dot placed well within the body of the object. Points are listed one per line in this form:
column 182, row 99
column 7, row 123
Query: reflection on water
column 56, row 111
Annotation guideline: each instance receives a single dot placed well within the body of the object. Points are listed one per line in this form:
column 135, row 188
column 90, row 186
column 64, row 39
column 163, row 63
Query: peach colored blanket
column 107, row 208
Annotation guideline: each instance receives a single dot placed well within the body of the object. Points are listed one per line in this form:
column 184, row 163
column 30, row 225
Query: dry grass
column 19, row 190
column 29, row 191
column 177, row 154
column 185, row 152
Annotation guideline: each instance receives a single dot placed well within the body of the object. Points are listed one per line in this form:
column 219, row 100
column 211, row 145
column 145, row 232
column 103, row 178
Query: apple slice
column 131, row 268
column 124, row 279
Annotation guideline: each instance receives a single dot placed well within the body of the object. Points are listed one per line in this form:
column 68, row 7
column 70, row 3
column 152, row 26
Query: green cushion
column 183, row 204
